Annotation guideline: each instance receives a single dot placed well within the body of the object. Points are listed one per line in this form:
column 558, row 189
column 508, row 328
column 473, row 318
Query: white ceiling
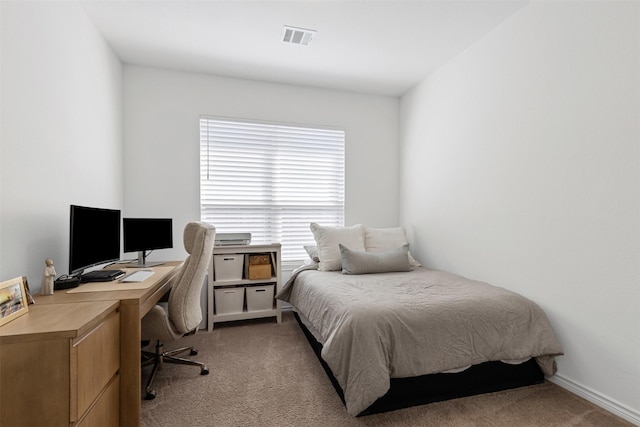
column 380, row 47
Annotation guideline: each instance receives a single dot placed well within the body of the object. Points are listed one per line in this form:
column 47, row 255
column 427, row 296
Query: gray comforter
column 374, row 327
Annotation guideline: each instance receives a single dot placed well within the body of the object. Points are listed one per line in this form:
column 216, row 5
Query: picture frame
column 30, row 299
column 14, row 300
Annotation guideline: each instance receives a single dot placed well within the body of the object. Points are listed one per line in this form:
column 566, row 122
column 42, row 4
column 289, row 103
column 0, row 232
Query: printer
column 229, row 239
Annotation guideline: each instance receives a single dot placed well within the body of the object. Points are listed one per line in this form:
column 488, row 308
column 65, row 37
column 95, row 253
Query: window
column 271, row 180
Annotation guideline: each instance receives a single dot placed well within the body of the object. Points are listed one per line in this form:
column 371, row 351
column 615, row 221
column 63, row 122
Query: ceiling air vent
column 295, row 35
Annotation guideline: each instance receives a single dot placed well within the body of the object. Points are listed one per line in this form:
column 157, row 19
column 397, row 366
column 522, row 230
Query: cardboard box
column 259, row 267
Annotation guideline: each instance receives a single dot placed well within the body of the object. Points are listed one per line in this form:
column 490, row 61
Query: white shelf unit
column 274, row 251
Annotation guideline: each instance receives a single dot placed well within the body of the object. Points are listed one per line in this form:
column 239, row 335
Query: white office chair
column 184, row 313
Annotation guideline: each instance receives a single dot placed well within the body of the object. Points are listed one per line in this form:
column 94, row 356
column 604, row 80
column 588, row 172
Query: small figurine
column 46, row 287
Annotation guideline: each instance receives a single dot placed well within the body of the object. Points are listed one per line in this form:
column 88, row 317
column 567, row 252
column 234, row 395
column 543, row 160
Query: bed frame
column 406, row 392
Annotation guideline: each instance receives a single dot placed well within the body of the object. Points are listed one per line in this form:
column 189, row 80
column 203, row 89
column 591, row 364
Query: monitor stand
column 142, row 261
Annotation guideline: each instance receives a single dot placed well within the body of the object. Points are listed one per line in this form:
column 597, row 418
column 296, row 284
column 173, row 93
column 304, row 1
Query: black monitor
column 146, row 234
column 94, row 237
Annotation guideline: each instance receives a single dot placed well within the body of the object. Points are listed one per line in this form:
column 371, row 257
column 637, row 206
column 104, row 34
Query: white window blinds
column 271, row 180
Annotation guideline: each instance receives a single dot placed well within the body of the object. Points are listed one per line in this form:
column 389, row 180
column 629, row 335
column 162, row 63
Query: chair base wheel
column 204, row 371
column 193, row 352
column 150, row 395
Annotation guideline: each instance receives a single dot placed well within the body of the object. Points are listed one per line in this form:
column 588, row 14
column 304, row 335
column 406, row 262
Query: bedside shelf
column 215, row 286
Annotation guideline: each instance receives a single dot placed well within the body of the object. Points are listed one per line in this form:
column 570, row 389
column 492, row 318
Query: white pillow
column 362, row 262
column 327, row 240
column 383, row 239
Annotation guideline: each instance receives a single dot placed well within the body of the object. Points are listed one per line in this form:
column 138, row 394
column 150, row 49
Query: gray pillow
column 312, row 251
column 361, row 262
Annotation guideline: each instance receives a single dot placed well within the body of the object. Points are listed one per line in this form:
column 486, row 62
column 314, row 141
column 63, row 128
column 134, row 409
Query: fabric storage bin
column 228, row 266
column 260, row 298
column 229, row 300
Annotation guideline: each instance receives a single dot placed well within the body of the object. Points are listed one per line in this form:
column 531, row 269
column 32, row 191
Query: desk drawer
column 106, row 411
column 95, row 359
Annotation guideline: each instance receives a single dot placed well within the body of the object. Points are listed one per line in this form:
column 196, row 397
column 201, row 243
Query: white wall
column 520, row 166
column 162, row 169
column 61, row 131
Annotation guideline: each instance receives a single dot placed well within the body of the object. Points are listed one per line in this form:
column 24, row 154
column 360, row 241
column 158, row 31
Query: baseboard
column 594, row 397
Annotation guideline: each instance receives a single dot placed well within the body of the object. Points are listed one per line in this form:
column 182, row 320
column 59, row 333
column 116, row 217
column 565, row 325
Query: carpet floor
column 265, row 374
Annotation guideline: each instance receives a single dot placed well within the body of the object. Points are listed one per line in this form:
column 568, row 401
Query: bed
column 376, row 329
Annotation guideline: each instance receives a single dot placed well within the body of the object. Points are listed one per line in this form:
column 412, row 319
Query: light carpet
column 265, row 374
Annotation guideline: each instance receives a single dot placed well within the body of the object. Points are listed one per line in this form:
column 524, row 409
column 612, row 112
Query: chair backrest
column 185, row 312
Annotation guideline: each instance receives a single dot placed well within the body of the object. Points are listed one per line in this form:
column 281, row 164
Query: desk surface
column 146, row 297
column 117, row 285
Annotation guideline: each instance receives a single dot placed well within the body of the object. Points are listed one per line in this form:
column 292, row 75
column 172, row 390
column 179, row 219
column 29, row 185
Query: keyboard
column 101, row 276
column 137, row 276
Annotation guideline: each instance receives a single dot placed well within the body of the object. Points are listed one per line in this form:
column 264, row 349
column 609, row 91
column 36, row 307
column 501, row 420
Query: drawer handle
column 261, row 290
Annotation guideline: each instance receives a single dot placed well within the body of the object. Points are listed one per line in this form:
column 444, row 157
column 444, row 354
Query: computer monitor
column 146, row 234
column 94, row 237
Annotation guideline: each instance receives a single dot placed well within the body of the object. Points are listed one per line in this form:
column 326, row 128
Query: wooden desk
column 134, row 304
